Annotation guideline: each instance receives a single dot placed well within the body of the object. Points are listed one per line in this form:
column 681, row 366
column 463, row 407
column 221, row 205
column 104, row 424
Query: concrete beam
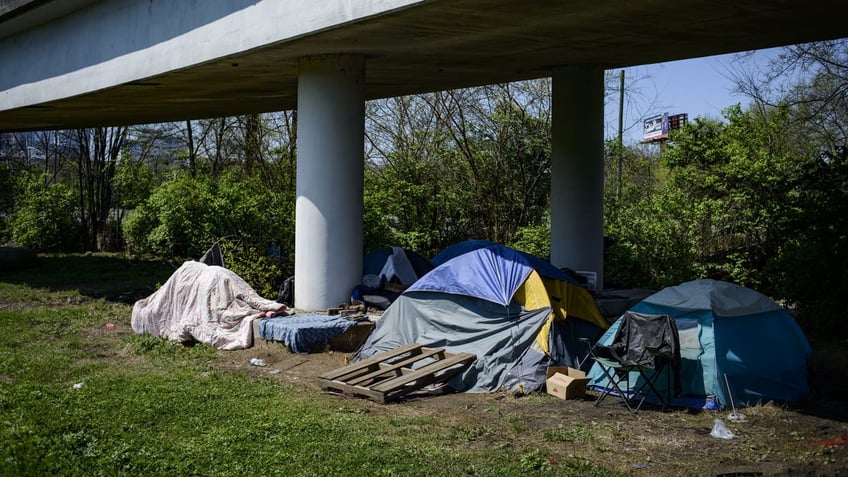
column 80, row 63
column 126, row 42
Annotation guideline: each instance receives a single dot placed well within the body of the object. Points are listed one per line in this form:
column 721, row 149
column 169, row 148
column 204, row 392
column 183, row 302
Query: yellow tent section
column 566, row 301
column 532, row 293
column 570, row 300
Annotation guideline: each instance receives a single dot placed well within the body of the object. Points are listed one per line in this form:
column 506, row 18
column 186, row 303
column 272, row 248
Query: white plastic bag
column 720, row 431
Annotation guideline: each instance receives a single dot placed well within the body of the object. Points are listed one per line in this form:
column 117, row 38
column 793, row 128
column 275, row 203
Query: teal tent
column 735, row 343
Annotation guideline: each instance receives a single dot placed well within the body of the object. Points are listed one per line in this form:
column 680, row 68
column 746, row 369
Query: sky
column 697, row 87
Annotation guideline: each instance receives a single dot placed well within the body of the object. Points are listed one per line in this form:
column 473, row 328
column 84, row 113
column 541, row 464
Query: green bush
column 187, row 214
column 652, row 241
column 8, row 192
column 45, row 217
column 533, row 239
column 262, row 270
column 173, row 221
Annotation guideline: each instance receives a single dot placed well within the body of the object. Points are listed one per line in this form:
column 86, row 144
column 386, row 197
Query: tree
column 460, row 164
column 741, row 174
column 133, row 183
column 281, row 170
column 808, row 85
column 721, row 195
column 811, row 81
column 253, row 138
column 218, row 144
column 97, row 158
column 503, row 134
column 160, row 147
column 411, row 194
column 10, row 187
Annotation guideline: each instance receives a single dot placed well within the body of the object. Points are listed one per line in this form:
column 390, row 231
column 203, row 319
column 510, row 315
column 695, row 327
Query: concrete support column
column 330, row 138
column 577, row 169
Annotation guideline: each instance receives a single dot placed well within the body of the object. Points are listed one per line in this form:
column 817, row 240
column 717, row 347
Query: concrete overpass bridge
column 86, row 63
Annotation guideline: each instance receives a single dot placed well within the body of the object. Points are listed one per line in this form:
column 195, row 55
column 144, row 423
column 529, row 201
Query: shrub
column 45, row 217
column 187, row 214
column 533, row 239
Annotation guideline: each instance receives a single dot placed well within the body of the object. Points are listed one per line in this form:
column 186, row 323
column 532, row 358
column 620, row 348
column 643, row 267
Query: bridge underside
column 424, row 46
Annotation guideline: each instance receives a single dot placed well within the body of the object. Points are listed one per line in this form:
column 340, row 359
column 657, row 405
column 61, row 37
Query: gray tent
column 493, row 303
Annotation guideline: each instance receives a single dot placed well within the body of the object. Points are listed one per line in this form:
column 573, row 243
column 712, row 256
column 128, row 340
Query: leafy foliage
column 263, row 269
column 9, row 190
column 650, row 241
column 45, row 216
column 744, row 201
column 533, row 239
column 810, row 268
column 717, row 213
column 187, row 214
column 457, row 165
column 133, row 182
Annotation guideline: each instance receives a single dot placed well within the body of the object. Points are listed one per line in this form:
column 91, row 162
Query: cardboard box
column 566, row 383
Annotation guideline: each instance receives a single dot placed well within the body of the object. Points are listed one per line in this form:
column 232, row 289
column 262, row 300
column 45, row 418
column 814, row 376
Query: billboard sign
column 655, row 127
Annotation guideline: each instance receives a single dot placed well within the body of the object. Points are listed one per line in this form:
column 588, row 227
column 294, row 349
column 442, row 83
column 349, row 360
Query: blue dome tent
column 735, row 344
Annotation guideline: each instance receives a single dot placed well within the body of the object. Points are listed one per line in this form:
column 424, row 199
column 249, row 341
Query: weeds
column 517, row 423
column 465, row 434
column 535, row 461
column 577, row 434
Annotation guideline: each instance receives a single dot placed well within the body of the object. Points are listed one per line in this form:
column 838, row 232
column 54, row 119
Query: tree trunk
column 99, row 149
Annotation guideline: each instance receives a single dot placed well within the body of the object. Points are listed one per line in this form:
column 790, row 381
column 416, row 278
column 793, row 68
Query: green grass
column 144, row 406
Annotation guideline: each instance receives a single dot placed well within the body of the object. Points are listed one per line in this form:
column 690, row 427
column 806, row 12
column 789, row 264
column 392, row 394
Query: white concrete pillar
column 577, row 169
column 330, row 139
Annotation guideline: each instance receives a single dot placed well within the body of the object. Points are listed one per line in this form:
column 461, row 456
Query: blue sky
column 697, row 87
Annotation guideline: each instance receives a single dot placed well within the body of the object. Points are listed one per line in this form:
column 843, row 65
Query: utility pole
column 620, row 131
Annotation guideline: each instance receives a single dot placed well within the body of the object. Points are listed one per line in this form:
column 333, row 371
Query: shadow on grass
column 108, row 276
column 828, row 377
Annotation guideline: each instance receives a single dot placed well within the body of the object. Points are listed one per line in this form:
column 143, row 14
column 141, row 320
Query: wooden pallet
column 389, row 375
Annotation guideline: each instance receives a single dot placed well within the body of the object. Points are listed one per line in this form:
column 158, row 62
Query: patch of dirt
column 808, row 439
column 775, row 440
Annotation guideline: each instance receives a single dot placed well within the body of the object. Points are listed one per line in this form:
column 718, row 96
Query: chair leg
column 606, row 390
column 665, row 401
column 615, row 381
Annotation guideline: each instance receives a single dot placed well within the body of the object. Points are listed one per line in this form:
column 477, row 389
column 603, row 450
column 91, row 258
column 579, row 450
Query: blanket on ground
column 301, row 332
column 210, row 304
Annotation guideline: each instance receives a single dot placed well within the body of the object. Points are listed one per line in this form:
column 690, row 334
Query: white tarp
column 206, row 303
